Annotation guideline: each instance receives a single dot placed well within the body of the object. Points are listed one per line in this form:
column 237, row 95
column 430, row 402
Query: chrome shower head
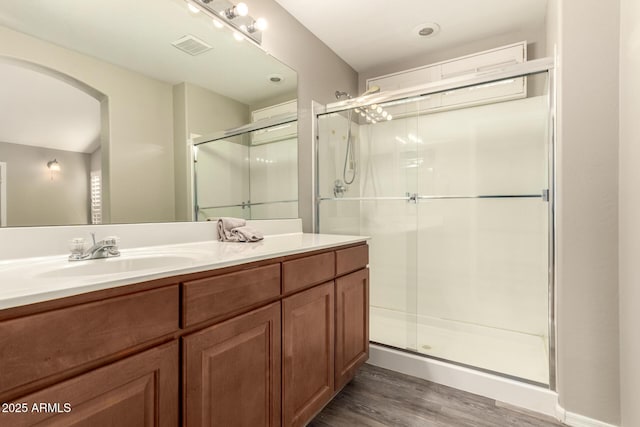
column 341, row 94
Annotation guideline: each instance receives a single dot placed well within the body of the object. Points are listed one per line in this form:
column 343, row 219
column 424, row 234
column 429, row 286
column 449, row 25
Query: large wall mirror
column 100, row 105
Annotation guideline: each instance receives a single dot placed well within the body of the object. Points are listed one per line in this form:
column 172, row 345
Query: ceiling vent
column 191, row 45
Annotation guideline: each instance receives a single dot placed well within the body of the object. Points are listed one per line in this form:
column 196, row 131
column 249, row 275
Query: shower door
column 453, row 190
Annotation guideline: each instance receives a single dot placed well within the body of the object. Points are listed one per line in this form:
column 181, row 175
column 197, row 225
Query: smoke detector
column 191, row 45
column 428, row 29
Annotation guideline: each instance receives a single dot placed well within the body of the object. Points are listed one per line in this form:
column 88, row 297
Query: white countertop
column 30, row 280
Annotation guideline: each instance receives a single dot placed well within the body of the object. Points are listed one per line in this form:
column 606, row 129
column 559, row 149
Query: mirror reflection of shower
column 350, row 168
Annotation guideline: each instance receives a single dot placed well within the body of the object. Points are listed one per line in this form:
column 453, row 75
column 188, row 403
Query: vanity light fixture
column 241, row 9
column 193, row 9
column 235, row 17
column 259, row 24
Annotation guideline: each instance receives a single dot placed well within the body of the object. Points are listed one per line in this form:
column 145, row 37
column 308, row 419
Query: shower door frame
column 524, row 69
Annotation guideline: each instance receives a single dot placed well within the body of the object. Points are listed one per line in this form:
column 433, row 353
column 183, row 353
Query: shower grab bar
column 412, row 198
column 246, row 204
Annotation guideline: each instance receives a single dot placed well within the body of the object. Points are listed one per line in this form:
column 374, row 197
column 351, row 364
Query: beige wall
column 630, row 211
column 140, row 153
column 35, row 196
column 198, row 111
column 587, row 210
column 285, row 97
column 320, row 73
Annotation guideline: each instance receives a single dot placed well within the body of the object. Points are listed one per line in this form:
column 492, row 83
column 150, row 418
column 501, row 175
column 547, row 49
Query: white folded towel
column 246, row 234
column 235, row 230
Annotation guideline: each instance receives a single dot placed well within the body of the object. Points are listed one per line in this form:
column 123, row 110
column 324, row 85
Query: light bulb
column 373, row 121
column 243, row 28
column 242, row 9
column 217, row 23
column 379, row 109
column 385, row 114
column 357, row 110
column 192, row 8
column 261, row 24
column 374, row 106
column 389, row 117
column 238, row 36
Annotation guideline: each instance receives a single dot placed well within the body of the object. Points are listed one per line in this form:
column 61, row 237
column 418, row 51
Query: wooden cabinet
column 308, row 351
column 232, row 372
column 220, row 296
column 304, row 272
column 352, row 325
column 265, row 344
column 141, row 390
column 45, row 344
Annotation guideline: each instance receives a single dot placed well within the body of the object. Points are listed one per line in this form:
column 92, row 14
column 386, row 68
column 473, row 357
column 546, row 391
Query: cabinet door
column 308, row 345
column 352, row 325
column 232, row 372
column 141, row 390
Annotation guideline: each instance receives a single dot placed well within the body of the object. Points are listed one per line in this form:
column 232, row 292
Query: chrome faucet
column 106, row 248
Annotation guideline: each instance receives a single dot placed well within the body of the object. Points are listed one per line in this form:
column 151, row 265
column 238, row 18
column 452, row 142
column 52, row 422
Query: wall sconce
column 236, row 17
column 53, row 166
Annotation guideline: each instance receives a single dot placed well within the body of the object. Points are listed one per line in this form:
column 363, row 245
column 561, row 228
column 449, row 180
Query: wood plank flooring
column 378, row 397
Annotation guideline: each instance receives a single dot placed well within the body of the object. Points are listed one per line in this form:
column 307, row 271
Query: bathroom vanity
column 262, row 339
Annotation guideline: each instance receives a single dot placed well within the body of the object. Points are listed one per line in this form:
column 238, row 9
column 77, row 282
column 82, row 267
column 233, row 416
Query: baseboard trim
column 505, row 390
column 576, row 420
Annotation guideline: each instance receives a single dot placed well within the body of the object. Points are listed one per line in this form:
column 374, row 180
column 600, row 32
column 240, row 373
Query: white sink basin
column 122, row 264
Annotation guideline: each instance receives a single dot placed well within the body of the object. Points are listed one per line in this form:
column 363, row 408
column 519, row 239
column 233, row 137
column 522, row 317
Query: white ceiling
column 137, row 34
column 43, row 111
column 369, row 33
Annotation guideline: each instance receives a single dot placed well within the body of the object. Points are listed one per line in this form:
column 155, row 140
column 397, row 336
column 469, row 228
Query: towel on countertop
column 246, row 234
column 236, row 230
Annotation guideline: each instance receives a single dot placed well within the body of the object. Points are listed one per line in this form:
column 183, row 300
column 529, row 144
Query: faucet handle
column 112, row 240
column 76, row 245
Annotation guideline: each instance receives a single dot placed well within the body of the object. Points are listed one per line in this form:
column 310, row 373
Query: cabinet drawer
column 351, row 259
column 304, row 272
column 44, row 344
column 219, row 296
column 141, row 390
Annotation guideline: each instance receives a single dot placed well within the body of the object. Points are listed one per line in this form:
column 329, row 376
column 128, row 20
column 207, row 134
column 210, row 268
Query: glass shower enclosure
column 249, row 172
column 453, row 181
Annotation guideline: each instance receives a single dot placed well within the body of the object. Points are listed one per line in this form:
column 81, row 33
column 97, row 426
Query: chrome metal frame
column 280, row 119
column 247, row 204
column 512, row 71
column 416, row 197
column 472, row 79
column 552, row 227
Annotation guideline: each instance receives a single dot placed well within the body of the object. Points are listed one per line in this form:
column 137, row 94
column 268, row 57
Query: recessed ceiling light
column 428, row 29
column 275, row 78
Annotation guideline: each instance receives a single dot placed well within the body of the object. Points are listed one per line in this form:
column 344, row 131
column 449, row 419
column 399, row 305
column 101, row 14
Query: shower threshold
column 509, row 353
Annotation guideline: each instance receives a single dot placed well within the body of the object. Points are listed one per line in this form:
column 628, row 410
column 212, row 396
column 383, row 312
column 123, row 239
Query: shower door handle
column 412, row 197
